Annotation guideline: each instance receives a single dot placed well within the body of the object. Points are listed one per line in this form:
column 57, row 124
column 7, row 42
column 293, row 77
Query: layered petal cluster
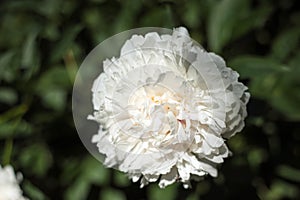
column 9, row 184
column 165, row 108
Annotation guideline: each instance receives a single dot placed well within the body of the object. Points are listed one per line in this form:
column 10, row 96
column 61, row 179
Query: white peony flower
column 9, row 184
column 165, row 108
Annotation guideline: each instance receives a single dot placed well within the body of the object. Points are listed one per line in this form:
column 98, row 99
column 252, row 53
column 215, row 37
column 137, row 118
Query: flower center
column 150, row 105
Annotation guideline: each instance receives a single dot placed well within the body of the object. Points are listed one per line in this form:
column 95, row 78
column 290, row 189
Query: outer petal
column 168, row 179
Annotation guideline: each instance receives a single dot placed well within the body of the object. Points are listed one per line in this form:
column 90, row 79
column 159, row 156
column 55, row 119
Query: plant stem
column 7, row 151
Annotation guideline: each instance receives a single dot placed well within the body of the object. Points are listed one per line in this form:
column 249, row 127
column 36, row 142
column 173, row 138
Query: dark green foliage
column 42, row 43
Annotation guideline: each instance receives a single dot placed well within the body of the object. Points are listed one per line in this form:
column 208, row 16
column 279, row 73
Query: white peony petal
column 144, row 182
column 134, row 177
column 212, row 140
column 168, row 179
column 9, row 184
column 183, row 171
column 209, row 169
column 164, row 108
column 187, row 185
column 151, row 177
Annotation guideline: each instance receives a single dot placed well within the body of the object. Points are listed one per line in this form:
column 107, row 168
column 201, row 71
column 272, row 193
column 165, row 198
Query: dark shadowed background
column 42, row 44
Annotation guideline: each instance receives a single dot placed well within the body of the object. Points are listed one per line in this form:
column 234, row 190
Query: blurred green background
column 43, row 42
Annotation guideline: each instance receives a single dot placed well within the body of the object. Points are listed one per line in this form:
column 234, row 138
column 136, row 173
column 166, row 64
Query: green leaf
column 33, row 192
column 94, row 172
column 8, row 96
column 269, row 80
column 65, row 42
column 7, row 151
column 153, row 17
column 288, row 102
column 238, row 143
column 55, row 99
column 55, row 77
column 222, row 20
column 286, row 43
column 128, row 15
column 30, row 60
column 167, row 193
column 112, row 194
column 262, row 72
column 253, row 66
column 52, row 88
column 120, row 179
column 37, row 159
column 192, row 16
column 231, row 19
column 29, row 49
column 78, row 190
column 256, row 156
column 6, row 70
column 93, row 21
column 254, row 18
column 288, row 172
column 89, row 172
column 15, row 129
column 50, row 9
column 280, row 190
column 51, row 32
